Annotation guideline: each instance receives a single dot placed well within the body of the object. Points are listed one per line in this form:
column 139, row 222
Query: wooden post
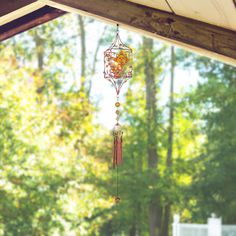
column 175, row 225
column 214, row 226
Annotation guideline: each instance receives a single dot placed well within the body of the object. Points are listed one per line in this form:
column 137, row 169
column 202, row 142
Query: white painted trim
column 21, row 12
column 71, row 9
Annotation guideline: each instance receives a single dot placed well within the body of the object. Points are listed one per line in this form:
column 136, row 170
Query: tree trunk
column 167, row 209
column 171, row 112
column 39, row 42
column 154, row 207
column 150, row 103
column 166, row 219
column 107, row 229
column 82, row 52
column 95, row 60
column 132, row 231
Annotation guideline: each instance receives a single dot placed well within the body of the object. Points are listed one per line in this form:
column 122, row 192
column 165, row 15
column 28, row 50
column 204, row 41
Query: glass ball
column 117, row 199
column 117, row 104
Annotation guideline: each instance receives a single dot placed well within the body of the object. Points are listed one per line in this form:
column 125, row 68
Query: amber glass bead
column 117, row 104
column 117, row 199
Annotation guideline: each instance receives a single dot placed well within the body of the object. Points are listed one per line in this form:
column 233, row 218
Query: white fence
column 213, row 227
column 228, row 230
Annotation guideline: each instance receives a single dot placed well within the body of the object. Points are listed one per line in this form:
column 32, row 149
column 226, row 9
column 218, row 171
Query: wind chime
column 118, row 70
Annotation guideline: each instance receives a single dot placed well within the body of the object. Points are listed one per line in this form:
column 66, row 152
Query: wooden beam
column 9, row 6
column 200, row 37
column 29, row 21
column 13, row 9
column 234, row 1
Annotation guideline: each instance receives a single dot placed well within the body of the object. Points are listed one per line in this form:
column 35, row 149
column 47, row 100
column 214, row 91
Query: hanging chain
column 117, row 104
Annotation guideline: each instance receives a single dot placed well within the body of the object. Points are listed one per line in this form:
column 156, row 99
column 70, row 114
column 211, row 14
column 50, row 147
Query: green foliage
column 216, row 97
column 45, row 176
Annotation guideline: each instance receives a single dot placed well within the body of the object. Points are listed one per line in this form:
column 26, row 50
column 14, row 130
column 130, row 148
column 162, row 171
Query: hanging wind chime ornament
column 118, row 70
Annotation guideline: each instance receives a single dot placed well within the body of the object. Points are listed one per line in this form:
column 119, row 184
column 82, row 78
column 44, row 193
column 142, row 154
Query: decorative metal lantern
column 118, row 69
column 118, row 63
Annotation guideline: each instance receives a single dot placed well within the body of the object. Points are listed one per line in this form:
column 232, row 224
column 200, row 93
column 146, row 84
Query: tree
column 169, row 161
column 215, row 95
column 154, row 207
column 45, row 176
